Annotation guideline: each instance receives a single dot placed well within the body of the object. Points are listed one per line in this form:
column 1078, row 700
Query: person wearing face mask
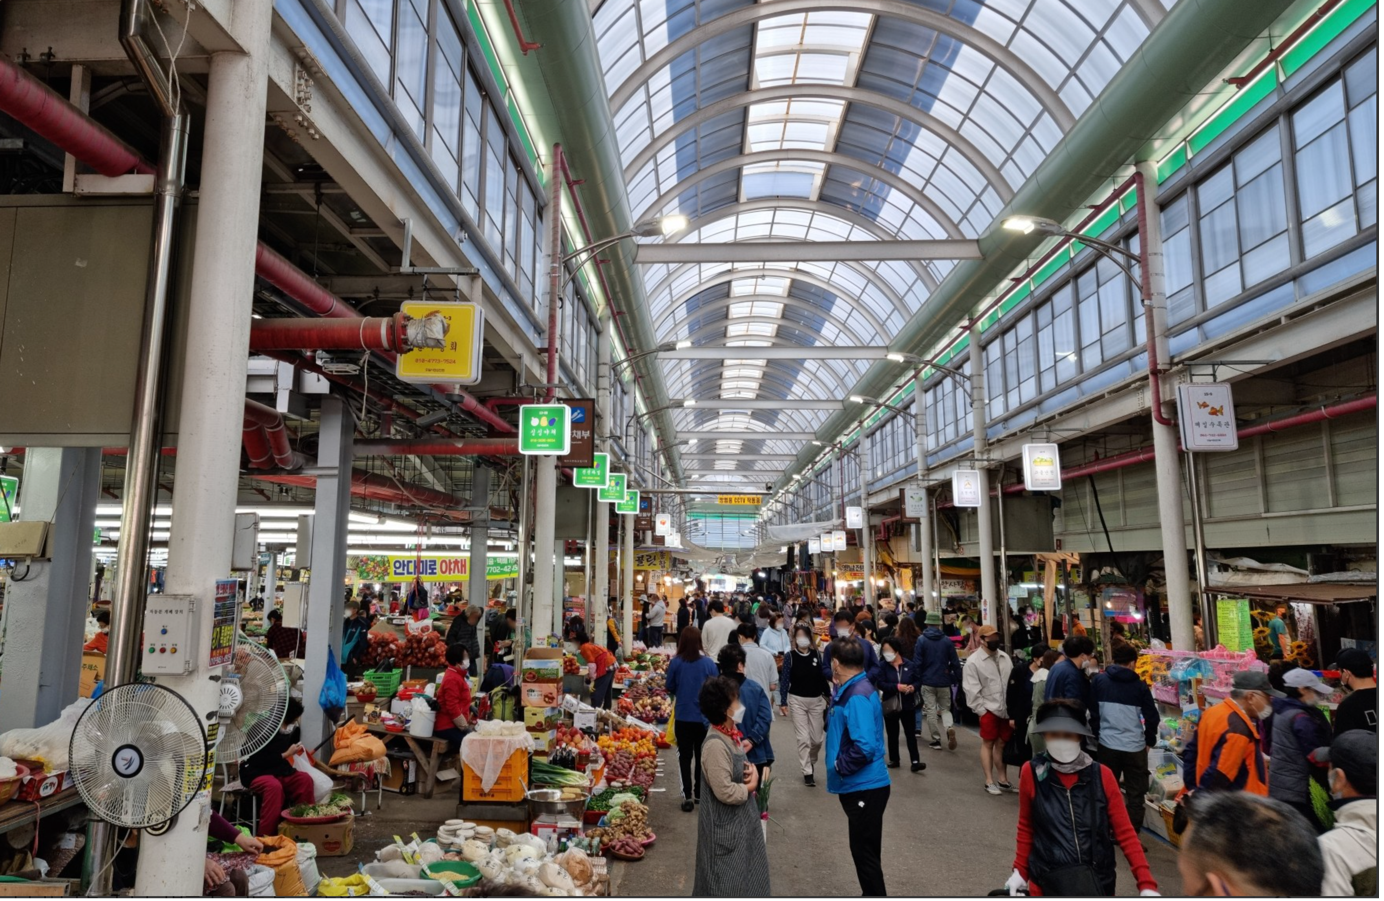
column 269, row 772
column 688, row 671
column 1299, row 728
column 843, row 624
column 1360, row 709
column 803, row 695
column 1070, row 678
column 759, row 663
column 985, row 680
column 731, row 857
column 774, row 639
column 897, row 683
column 1071, row 816
column 601, row 661
column 454, row 698
column 1224, row 754
column 755, row 713
column 1251, row 846
column 939, row 670
column 856, row 772
column 1129, row 725
column 1350, row 851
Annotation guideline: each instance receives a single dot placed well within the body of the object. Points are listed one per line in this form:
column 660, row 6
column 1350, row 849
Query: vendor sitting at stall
column 101, row 639
column 269, row 773
column 454, row 698
column 579, row 643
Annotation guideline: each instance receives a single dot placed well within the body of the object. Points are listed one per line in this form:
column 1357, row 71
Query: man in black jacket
column 463, row 632
column 1068, row 677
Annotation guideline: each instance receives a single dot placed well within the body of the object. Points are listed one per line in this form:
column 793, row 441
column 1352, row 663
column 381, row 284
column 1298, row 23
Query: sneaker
column 810, row 781
column 935, row 745
column 687, row 805
column 1007, row 787
column 951, row 739
column 893, row 764
column 992, row 789
column 918, row 766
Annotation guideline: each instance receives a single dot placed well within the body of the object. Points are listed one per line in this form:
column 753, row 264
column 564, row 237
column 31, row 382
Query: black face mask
column 992, row 645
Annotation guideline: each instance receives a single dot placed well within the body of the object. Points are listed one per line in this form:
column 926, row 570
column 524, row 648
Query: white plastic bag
column 321, row 782
column 48, row 742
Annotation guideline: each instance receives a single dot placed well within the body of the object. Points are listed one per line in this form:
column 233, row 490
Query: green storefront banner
column 430, row 568
column 614, row 492
column 545, row 429
column 630, row 505
column 597, row 476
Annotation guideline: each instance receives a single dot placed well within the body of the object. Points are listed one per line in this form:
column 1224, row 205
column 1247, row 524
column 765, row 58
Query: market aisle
column 943, row 834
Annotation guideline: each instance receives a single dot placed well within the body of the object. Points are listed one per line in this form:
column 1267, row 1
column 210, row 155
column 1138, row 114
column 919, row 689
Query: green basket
column 386, row 684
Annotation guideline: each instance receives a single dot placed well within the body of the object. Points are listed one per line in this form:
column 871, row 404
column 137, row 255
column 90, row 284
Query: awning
column 1311, row 592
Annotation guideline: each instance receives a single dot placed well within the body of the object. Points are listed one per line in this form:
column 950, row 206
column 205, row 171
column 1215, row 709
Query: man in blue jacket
column 938, row 669
column 856, row 770
column 843, row 624
column 759, row 710
column 1129, row 726
column 1067, row 679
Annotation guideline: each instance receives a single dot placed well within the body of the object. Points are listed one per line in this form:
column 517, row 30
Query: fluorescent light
column 684, row 344
column 1019, row 224
column 690, row 402
column 672, row 223
column 858, row 399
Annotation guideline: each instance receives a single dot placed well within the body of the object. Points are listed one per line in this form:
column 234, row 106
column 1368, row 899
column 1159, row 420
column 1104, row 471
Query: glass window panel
column 1262, row 208
column 1364, row 140
column 471, row 149
column 1362, row 77
column 1317, row 115
column 1328, row 228
column 1181, row 306
column 1323, row 171
column 1216, row 190
column 1219, row 246
column 1221, row 286
column 370, row 23
column 1368, row 203
column 411, row 55
column 1177, row 260
column 1259, row 155
column 1264, row 261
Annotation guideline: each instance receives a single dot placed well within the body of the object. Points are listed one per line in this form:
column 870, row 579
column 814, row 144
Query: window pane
column 471, row 150
column 1262, row 209
column 1216, row 190
column 1266, row 260
column 1364, row 140
column 1219, row 246
column 1317, row 115
column 1177, row 261
column 370, row 23
column 1323, row 170
column 411, row 56
column 1368, row 203
column 1362, row 77
column 1221, row 286
column 1328, row 228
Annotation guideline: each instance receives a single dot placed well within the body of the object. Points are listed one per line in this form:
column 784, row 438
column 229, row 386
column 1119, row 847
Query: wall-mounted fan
column 254, row 697
column 138, row 755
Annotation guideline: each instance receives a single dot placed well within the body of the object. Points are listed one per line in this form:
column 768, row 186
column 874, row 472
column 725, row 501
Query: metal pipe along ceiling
column 50, row 115
column 432, row 447
column 376, row 487
column 378, row 333
column 266, row 437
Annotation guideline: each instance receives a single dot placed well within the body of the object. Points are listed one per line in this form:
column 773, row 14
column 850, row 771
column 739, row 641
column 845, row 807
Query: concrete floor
column 943, row 834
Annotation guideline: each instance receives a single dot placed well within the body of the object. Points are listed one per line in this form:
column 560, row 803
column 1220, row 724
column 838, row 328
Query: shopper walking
column 463, row 632
column 731, row 857
column 1299, row 728
column 1070, row 679
column 657, row 619
column 684, row 616
column 985, row 678
column 687, row 672
column 908, row 634
column 1044, row 665
column 1250, row 846
column 1018, row 702
column 1129, row 726
column 897, row 683
column 756, row 709
column 718, row 628
column 759, row 663
column 1071, row 816
column 939, row 669
column 856, row 771
column 775, row 638
column 1350, row 851
column 844, row 624
column 1224, row 754
column 1360, row 709
column 803, row 692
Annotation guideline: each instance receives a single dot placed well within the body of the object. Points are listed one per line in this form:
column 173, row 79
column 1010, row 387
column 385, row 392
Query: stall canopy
column 1310, row 593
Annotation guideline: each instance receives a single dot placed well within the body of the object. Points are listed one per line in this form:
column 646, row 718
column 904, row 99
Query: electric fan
column 254, row 697
column 138, row 755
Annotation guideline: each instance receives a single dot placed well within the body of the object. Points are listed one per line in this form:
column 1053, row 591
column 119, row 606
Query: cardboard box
column 541, row 694
column 541, row 717
column 542, row 739
column 330, row 839
column 93, row 671
column 542, row 665
column 403, row 774
column 43, row 785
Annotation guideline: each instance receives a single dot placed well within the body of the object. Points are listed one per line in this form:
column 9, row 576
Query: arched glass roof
column 811, row 120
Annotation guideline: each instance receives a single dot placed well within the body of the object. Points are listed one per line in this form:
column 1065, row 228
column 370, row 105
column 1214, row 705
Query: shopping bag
column 332, row 698
column 321, row 782
column 669, row 735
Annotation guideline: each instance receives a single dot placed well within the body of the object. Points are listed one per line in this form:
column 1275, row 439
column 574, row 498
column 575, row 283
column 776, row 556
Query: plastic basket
column 386, row 684
column 508, row 789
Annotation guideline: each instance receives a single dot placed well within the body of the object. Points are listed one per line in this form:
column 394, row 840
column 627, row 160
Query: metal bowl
column 548, row 802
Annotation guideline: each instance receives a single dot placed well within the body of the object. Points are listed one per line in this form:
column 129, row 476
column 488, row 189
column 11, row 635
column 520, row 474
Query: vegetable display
column 544, row 773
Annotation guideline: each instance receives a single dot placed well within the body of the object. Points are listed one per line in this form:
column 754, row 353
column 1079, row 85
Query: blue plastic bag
column 333, row 695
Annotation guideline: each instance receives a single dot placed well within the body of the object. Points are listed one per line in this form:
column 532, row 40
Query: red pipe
column 374, row 486
column 297, row 284
column 1273, row 55
column 268, row 420
column 49, row 114
column 525, row 45
column 379, row 333
column 256, row 445
column 461, row 447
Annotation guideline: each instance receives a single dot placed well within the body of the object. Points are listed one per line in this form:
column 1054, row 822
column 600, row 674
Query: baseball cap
column 1356, row 753
column 933, row 618
column 1305, row 678
column 1253, row 680
column 1356, row 662
column 988, row 630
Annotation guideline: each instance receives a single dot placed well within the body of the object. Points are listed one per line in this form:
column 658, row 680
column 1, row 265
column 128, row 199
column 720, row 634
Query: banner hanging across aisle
column 431, row 568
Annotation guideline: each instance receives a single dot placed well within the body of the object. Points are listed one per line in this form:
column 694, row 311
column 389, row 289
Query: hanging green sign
column 9, row 497
column 630, row 505
column 614, row 491
column 545, row 429
column 595, row 476
column 1234, row 625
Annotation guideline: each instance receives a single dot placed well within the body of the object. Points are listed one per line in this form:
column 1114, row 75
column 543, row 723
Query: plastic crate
column 386, row 684
column 508, row 789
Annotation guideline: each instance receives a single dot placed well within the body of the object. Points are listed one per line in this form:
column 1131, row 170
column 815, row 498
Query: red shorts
column 992, row 728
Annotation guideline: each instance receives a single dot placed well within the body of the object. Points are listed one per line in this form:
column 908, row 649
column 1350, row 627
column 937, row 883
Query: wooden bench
column 428, row 761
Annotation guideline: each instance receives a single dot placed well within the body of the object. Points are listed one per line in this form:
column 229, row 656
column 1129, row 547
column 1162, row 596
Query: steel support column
column 46, row 610
column 329, row 533
column 867, row 538
column 544, row 528
column 218, row 335
column 600, row 592
column 929, row 598
column 627, row 585
column 478, row 587
column 988, row 607
column 1166, row 460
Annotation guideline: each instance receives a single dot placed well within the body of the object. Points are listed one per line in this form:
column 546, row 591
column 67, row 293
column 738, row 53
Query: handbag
column 1076, row 880
column 892, row 704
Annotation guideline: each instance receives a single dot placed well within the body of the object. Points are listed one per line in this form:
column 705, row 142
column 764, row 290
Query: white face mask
column 803, row 642
column 1063, row 750
column 570, row 647
column 890, row 656
column 1266, row 711
column 465, row 663
column 738, row 715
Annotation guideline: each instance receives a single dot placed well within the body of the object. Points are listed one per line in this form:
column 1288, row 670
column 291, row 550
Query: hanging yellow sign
column 650, row 561
column 739, row 500
column 459, row 360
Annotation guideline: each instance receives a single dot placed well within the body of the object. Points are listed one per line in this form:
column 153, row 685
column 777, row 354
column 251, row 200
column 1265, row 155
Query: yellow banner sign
column 739, row 500
column 459, row 361
column 650, row 561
